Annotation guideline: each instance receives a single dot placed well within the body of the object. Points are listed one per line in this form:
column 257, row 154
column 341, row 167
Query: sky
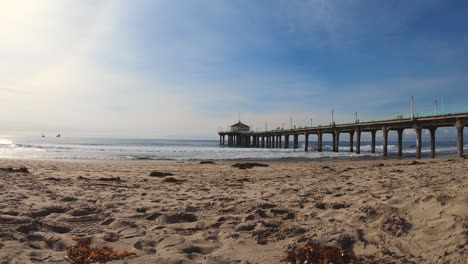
column 185, row 69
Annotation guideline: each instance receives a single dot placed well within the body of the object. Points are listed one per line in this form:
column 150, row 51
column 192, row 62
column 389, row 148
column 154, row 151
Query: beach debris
column 82, row 253
column 249, row 165
column 414, row 162
column 261, row 241
column 11, row 170
column 207, row 162
column 100, row 179
column 52, row 179
column 109, row 179
column 172, row 179
column 160, row 174
column 319, row 255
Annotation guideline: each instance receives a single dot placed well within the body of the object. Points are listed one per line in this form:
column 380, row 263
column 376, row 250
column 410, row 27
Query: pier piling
column 418, row 129
column 400, row 141
column 358, row 140
column 385, row 140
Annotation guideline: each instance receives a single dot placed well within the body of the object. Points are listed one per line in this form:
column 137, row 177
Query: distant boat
column 58, row 135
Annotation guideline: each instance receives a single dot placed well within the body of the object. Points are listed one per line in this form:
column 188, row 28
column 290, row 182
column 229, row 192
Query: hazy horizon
column 183, row 69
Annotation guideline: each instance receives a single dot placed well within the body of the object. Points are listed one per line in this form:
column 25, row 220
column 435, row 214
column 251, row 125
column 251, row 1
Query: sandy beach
column 384, row 211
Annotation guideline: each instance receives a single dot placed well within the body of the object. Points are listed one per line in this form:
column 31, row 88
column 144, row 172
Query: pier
column 280, row 138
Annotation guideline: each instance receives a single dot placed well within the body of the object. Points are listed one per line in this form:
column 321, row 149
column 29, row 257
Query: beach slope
column 385, row 211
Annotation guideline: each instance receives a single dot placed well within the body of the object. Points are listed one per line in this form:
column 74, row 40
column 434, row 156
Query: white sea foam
column 128, row 149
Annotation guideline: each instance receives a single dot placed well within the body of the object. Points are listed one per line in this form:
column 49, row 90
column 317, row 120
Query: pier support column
column 373, row 141
column 319, row 142
column 460, row 126
column 286, row 141
column 351, row 141
column 400, row 141
column 220, row 140
column 224, row 137
column 358, row 140
column 336, row 141
column 280, row 138
column 263, row 141
column 385, row 140
column 277, row 142
column 296, row 141
column 273, row 141
column 306, row 145
column 418, row 129
column 432, row 130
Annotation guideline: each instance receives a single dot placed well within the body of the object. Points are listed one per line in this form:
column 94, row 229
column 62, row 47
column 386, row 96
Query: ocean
column 102, row 149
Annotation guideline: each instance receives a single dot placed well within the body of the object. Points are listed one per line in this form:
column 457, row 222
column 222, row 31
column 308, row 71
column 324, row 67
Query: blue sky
column 182, row 69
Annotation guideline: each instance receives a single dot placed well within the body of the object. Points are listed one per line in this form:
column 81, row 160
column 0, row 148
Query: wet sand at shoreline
column 389, row 211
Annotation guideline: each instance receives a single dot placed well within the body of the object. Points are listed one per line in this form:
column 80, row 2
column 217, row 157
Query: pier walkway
column 280, row 138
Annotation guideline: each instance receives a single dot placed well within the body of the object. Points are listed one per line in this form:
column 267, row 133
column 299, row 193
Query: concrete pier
column 319, row 142
column 385, row 140
column 432, row 130
column 400, row 141
column 336, row 140
column 273, row 139
column 358, row 140
column 373, row 132
column 418, row 129
column 459, row 124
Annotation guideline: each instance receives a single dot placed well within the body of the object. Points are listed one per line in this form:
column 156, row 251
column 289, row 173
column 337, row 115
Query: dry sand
column 388, row 210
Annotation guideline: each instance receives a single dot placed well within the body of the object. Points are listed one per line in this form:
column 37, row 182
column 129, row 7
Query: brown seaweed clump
column 319, row 255
column 249, row 165
column 9, row 169
column 81, row 253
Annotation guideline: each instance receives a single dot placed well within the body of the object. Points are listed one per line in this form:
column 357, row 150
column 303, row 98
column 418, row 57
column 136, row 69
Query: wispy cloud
column 167, row 68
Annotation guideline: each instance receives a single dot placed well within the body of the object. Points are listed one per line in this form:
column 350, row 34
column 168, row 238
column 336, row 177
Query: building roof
column 240, row 124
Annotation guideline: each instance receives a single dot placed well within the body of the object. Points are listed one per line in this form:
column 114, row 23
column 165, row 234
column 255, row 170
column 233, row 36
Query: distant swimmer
column 43, row 135
column 58, row 135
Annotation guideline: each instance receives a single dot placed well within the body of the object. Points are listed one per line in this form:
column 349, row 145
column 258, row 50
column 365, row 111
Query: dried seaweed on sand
column 160, row 174
column 81, row 253
column 9, row 169
column 249, row 165
column 319, row 255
